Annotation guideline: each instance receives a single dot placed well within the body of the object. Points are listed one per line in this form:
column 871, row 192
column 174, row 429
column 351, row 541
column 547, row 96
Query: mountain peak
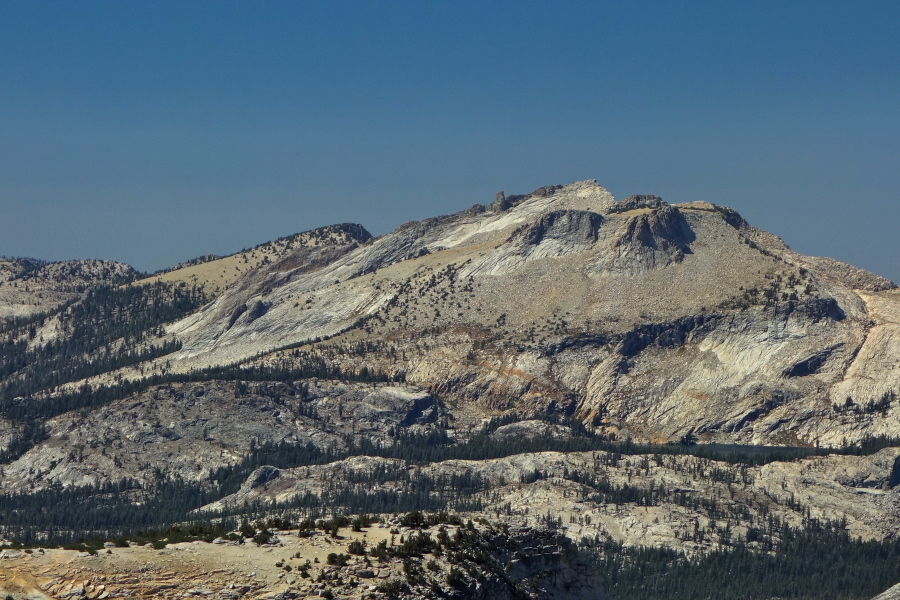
column 640, row 201
column 579, row 195
column 530, row 275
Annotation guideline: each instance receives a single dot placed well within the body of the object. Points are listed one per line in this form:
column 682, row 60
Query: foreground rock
column 540, row 565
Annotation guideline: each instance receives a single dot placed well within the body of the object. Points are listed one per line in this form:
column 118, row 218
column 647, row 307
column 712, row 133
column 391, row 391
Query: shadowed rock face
column 573, row 226
column 640, row 201
column 652, row 240
column 810, row 365
column 662, row 229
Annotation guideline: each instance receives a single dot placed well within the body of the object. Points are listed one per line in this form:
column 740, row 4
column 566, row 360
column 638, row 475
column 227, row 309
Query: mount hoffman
column 656, row 320
column 632, row 319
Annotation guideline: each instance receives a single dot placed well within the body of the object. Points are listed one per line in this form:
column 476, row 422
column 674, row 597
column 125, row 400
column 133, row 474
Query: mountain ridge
column 554, row 226
column 639, row 275
column 675, row 383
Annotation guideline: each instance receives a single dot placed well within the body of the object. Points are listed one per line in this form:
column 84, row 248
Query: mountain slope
column 546, row 358
column 640, row 317
column 648, row 318
column 213, row 274
column 29, row 286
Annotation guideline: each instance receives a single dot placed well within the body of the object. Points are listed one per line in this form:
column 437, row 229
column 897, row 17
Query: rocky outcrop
column 192, row 428
column 546, row 564
column 639, row 201
column 570, row 226
column 651, row 240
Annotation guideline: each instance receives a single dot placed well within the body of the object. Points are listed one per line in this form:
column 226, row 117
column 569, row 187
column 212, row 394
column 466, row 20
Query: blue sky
column 154, row 132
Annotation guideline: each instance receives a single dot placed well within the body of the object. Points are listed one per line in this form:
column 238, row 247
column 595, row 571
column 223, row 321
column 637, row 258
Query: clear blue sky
column 153, row 132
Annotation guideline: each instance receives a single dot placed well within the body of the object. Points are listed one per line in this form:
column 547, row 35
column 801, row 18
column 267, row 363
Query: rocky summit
column 553, row 395
column 654, row 320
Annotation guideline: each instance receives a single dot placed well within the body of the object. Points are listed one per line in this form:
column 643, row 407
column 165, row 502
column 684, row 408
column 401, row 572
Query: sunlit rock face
column 652, row 319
